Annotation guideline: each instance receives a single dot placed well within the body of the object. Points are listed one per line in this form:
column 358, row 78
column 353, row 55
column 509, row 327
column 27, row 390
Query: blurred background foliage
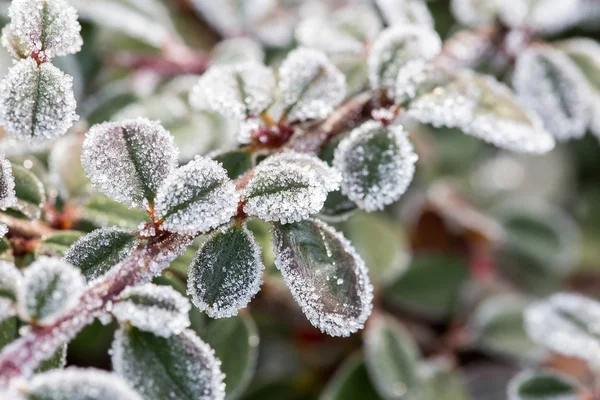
column 480, row 234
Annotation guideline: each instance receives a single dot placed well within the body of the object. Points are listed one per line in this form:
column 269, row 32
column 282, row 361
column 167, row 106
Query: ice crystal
column 311, row 86
column 181, row 366
column 326, row 276
column 152, row 308
column 405, row 12
column 288, row 187
column 549, row 83
column 377, row 165
column 10, row 279
column 79, row 384
column 226, row 272
column 13, row 44
column 568, row 324
column 36, row 102
column 128, row 160
column 236, row 51
column 3, row 230
column 7, row 184
column 237, row 91
column 48, row 26
column 480, row 106
column 49, row 288
column 347, row 31
column 394, row 48
column 196, row 197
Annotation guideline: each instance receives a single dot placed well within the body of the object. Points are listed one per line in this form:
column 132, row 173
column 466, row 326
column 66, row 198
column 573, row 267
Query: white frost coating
column 8, row 197
column 348, row 30
column 157, row 309
column 373, row 190
column 36, row 102
column 196, row 197
column 308, row 287
column 478, row 105
column 235, row 284
column 394, row 48
column 310, row 85
column 566, row 323
column 10, row 277
column 289, row 187
column 80, row 384
column 475, row 13
column 201, row 369
column 3, row 230
column 237, row 50
column 405, row 12
column 128, row 160
column 49, row 288
column 237, row 91
column 551, row 85
column 50, row 26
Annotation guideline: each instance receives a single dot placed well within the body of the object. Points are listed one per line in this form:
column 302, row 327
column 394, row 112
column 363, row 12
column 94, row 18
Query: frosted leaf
column 152, row 308
column 10, row 279
column 79, row 384
column 566, row 323
column 326, row 276
column 543, row 17
column 226, row 272
column 10, row 393
column 3, row 230
column 64, row 166
column 548, row 83
column 288, row 187
column 310, row 85
column 394, row 48
column 178, row 367
column 377, row 164
column 348, row 30
column 95, row 253
column 29, row 192
column 49, row 288
column 196, row 197
column 237, row 50
column 405, row 12
column 36, row 102
column 585, row 53
column 475, row 13
column 237, row 91
column 48, row 26
column 7, row 184
column 13, row 44
column 128, row 160
column 478, row 105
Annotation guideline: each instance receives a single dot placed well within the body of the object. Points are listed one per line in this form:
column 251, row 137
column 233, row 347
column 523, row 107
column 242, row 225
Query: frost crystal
column 237, row 91
column 311, row 86
column 479, row 105
column 49, row 287
column 10, row 279
column 377, row 164
column 226, row 272
column 36, row 102
column 394, row 48
column 152, row 308
column 196, row 197
column 79, row 384
column 551, row 85
column 7, row 184
column 128, row 160
column 567, row 324
column 179, row 367
column 288, row 187
column 405, row 12
column 326, row 276
column 48, row 26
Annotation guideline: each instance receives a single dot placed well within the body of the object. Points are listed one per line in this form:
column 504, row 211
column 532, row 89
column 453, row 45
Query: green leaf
column 56, row 243
column 236, row 162
column 437, row 298
column 314, row 258
column 6, row 253
column 337, row 207
column 9, row 330
column 226, row 272
column 29, row 191
column 350, row 382
column 102, row 211
column 391, row 358
column 57, row 361
column 543, row 386
column 235, row 341
column 438, row 381
column 95, row 253
column 181, row 366
column 64, row 165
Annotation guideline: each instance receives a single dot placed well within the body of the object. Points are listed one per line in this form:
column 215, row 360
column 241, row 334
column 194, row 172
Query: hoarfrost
column 10, row 279
column 405, row 12
column 196, row 197
column 7, row 184
column 152, row 308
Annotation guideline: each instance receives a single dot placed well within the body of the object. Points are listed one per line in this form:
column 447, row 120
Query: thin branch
column 25, row 229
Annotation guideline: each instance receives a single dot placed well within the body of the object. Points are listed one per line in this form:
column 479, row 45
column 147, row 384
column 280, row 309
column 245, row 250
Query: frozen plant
column 133, row 204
